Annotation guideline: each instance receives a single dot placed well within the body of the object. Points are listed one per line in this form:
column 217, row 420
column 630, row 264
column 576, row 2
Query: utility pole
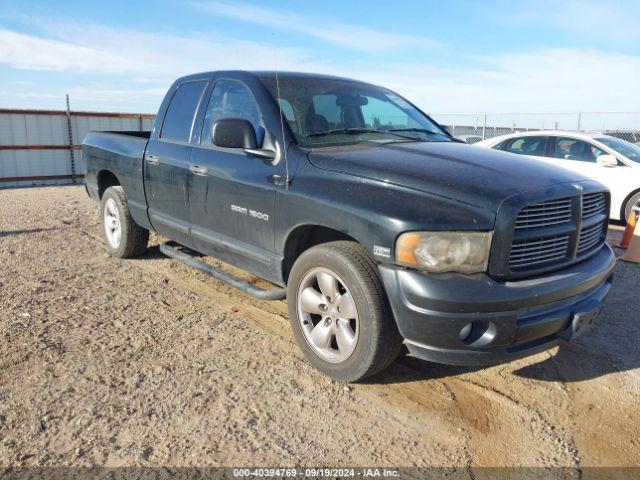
column 71, row 150
column 579, row 121
column 484, row 127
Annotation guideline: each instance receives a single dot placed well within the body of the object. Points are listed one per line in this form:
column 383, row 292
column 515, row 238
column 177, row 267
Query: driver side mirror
column 239, row 133
column 607, row 161
column 233, row 133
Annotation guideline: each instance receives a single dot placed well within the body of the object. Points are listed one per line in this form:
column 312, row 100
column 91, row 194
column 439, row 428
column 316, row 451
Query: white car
column 610, row 160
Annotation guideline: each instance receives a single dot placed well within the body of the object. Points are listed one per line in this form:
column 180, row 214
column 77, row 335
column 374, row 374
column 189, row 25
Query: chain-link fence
column 478, row 126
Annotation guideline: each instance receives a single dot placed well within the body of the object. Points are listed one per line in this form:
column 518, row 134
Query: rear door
column 232, row 193
column 166, row 169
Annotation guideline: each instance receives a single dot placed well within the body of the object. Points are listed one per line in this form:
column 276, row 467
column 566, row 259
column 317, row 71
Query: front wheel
column 124, row 237
column 339, row 313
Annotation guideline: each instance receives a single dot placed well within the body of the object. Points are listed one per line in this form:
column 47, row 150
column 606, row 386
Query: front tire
column 124, row 237
column 339, row 313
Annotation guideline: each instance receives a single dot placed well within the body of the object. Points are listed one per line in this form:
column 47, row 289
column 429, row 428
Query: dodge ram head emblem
column 578, row 187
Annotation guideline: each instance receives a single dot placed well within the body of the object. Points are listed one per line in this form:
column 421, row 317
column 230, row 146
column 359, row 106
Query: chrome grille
column 526, row 253
column 590, row 237
column 593, row 204
column 540, row 215
column 551, row 234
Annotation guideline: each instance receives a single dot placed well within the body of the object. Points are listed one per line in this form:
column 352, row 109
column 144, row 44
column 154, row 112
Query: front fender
column 370, row 211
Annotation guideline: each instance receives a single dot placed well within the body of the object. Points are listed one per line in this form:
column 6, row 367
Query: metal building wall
column 35, row 147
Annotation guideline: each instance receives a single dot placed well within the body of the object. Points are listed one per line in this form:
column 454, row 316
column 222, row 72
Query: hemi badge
column 381, row 251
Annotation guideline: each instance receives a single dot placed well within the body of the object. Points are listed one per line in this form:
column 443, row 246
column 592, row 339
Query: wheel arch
column 623, row 206
column 106, row 179
column 303, row 237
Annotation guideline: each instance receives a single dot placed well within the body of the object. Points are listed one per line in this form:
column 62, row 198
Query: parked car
column 610, row 160
column 377, row 225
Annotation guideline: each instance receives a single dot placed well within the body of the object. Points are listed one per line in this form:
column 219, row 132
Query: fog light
column 478, row 334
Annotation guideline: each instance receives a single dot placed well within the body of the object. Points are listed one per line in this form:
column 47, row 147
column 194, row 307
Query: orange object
column 404, row 249
column 633, row 252
column 629, row 229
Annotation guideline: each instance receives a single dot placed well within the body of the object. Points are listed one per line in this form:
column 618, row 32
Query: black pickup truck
column 377, row 225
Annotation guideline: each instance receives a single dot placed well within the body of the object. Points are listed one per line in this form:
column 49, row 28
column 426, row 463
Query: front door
column 232, row 193
column 581, row 156
column 166, row 166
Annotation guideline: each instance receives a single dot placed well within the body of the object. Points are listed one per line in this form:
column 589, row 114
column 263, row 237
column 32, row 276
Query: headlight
column 464, row 252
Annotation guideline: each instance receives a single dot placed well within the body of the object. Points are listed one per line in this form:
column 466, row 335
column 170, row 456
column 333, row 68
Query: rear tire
column 124, row 237
column 343, row 296
column 635, row 199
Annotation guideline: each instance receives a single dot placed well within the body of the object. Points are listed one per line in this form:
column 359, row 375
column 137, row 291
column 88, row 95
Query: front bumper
column 509, row 319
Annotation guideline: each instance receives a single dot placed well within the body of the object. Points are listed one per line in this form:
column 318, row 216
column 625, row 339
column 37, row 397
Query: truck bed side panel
column 121, row 155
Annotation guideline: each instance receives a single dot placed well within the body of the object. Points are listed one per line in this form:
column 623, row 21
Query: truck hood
column 473, row 175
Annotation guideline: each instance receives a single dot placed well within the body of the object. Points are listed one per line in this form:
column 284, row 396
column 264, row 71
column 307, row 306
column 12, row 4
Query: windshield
column 629, row 150
column 331, row 112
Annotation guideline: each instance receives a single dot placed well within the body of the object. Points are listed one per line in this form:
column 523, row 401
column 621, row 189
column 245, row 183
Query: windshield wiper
column 356, row 131
column 419, row 130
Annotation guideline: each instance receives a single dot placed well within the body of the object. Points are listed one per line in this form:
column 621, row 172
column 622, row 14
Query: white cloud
column 31, row 52
column 553, row 80
column 124, row 69
column 346, row 35
column 91, row 48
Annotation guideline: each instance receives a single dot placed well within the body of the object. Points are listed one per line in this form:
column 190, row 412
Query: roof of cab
column 266, row 74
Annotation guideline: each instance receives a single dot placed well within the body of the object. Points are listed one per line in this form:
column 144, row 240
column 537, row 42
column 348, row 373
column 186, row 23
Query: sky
column 457, row 56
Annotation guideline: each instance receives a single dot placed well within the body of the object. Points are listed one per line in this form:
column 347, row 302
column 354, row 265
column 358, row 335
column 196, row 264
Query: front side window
column 501, row 145
column 527, row 146
column 231, row 99
column 575, row 149
column 336, row 112
column 629, row 150
column 178, row 121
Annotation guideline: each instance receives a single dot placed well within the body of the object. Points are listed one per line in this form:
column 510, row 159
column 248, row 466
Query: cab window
column 179, row 117
column 575, row 149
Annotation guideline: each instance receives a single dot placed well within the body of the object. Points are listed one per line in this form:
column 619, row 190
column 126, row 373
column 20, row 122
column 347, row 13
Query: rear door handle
column 153, row 159
column 199, row 170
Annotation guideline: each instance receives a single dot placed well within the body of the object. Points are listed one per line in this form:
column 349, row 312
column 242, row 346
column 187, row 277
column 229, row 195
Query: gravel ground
column 112, row 363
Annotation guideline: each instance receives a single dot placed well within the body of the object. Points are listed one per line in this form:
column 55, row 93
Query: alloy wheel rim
column 112, row 225
column 328, row 315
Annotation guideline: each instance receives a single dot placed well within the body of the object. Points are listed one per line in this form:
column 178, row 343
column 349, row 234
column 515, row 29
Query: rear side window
column 527, row 146
column 178, row 120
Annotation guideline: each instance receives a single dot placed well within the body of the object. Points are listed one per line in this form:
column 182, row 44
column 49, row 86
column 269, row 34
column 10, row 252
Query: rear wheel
column 339, row 313
column 633, row 201
column 124, row 238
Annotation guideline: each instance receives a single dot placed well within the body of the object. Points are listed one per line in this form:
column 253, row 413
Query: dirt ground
column 146, row 362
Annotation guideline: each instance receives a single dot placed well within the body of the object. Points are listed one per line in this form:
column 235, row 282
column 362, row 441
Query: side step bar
column 184, row 257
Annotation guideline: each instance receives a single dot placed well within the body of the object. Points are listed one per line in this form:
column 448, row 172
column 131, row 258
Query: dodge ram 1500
column 377, row 225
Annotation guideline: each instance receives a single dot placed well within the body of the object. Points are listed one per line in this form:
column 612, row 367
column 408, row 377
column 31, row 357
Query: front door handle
column 153, row 159
column 199, row 170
